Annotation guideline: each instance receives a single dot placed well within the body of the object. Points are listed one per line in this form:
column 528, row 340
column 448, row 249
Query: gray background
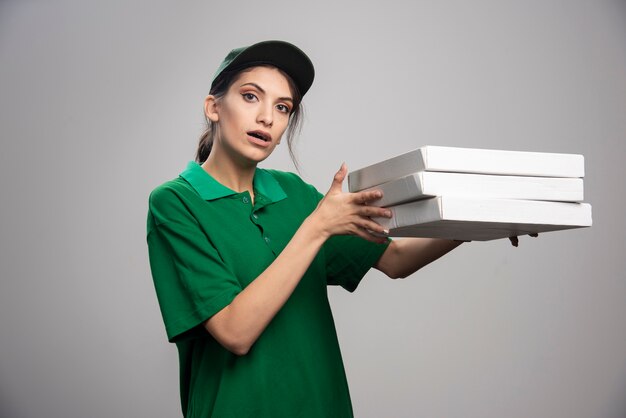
column 101, row 102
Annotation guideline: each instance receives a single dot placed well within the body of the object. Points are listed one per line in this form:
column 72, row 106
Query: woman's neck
column 229, row 174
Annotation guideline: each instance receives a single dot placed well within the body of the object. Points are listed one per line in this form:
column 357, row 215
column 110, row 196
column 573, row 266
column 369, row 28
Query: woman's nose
column 266, row 116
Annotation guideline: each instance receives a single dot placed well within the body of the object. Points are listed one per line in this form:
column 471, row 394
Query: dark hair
column 221, row 85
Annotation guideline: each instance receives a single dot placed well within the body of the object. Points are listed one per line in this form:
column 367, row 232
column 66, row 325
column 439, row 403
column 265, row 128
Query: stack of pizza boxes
column 474, row 194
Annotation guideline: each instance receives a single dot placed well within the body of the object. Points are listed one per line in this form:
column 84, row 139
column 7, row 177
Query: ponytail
column 205, row 144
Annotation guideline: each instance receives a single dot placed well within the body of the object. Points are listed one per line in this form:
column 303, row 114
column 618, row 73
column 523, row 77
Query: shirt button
column 245, row 199
column 255, row 216
column 267, row 239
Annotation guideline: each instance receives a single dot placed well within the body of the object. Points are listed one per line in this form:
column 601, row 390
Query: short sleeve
column 349, row 258
column 191, row 281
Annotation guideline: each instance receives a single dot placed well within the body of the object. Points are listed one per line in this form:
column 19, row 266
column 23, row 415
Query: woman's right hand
column 340, row 213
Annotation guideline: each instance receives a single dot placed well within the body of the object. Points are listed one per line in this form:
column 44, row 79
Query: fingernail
column 388, row 214
column 386, row 231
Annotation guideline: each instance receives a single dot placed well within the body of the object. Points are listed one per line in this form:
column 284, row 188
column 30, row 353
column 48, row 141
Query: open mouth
column 260, row 135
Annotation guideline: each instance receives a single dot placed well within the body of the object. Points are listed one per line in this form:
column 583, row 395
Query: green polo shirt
column 206, row 243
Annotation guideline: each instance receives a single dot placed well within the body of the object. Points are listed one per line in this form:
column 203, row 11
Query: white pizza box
column 431, row 183
column 475, row 219
column 468, row 160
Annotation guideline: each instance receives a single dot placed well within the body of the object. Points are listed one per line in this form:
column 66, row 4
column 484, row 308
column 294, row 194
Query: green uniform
column 207, row 243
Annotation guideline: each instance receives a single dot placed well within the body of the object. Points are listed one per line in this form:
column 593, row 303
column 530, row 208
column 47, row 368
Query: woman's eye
column 249, row 97
column 283, row 108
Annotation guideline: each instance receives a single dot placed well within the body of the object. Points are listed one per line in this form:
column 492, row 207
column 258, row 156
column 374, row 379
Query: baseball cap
column 283, row 55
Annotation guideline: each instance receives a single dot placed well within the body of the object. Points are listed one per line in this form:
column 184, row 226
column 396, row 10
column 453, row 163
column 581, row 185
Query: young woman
column 241, row 256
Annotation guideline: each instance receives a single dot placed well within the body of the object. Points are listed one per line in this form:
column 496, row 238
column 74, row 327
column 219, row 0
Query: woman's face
column 254, row 114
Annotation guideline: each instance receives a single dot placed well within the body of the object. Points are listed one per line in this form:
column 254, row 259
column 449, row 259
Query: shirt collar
column 210, row 189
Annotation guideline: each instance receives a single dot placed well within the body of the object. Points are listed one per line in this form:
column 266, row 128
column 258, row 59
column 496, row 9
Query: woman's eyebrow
column 259, row 88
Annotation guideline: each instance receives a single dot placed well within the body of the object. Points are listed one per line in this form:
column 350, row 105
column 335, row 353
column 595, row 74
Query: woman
column 241, row 256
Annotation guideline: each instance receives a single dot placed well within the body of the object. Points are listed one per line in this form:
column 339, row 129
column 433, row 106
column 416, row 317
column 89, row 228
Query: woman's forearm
column 239, row 324
column 407, row 255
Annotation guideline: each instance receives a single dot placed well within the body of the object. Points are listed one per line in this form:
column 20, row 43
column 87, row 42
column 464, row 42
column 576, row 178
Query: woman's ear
column 210, row 108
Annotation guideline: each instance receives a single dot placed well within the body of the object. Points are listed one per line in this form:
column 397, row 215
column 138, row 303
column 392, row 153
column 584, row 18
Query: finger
column 368, row 196
column 369, row 236
column 340, row 175
column 514, row 241
column 371, row 226
column 374, row 212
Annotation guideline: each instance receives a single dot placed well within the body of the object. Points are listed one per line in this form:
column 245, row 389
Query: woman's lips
column 259, row 138
column 264, row 136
